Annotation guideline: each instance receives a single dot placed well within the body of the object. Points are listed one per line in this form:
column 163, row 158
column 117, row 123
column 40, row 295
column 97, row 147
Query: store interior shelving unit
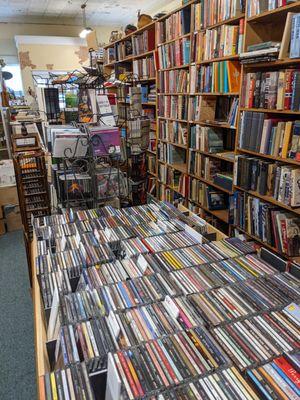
column 264, row 27
column 175, row 180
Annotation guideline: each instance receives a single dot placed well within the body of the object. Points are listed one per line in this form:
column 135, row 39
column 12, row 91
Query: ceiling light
column 86, row 30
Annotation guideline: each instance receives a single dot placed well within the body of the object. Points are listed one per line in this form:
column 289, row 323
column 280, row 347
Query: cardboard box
column 7, row 173
column 8, row 195
column 13, row 219
column 2, row 227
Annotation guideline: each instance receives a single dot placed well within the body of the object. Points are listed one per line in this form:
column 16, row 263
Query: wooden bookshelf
column 264, row 27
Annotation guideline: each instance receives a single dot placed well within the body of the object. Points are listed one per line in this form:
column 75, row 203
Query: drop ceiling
column 99, row 12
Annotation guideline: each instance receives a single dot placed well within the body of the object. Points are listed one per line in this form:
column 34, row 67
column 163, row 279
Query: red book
column 288, row 369
column 288, row 88
column 284, row 236
column 251, row 91
column 128, row 374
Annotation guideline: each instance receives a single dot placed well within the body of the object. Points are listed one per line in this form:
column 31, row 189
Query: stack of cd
column 55, row 281
column 259, row 339
column 224, row 385
column 71, row 260
column 163, row 363
column 80, row 306
column 170, row 241
column 70, row 383
column 90, row 341
column 133, row 247
column 137, row 292
column 279, row 379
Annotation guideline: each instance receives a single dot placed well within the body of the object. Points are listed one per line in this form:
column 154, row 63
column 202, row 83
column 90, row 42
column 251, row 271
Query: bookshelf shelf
column 210, row 183
column 173, row 119
column 226, row 58
column 152, row 173
column 214, row 94
column 218, row 156
column 220, row 214
column 271, row 200
column 272, row 111
column 151, row 151
column 267, row 156
column 269, row 16
column 174, row 40
column 178, row 167
column 212, row 123
column 273, row 64
column 176, row 67
column 229, row 21
column 173, row 94
column 149, row 103
column 183, row 146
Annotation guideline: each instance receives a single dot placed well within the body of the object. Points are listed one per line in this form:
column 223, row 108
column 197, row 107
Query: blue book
column 259, row 386
column 295, row 37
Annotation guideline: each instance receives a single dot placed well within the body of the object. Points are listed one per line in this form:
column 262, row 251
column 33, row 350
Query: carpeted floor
column 17, row 363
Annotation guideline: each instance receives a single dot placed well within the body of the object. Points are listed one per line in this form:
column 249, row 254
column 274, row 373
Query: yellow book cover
column 53, row 386
column 286, row 139
column 234, row 76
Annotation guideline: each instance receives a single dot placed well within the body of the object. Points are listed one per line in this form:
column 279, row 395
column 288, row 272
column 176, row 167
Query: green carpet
column 17, row 362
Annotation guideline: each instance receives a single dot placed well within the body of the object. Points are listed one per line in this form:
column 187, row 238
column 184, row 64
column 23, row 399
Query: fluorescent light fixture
column 83, row 34
column 86, row 30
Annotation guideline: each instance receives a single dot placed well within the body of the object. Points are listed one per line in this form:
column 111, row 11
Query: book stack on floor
column 170, row 313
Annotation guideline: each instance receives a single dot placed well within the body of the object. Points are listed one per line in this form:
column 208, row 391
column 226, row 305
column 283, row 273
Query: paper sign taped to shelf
column 113, row 385
column 196, row 235
column 142, row 263
column 171, row 307
column 114, row 324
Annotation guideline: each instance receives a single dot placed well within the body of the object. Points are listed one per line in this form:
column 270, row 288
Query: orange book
column 234, row 76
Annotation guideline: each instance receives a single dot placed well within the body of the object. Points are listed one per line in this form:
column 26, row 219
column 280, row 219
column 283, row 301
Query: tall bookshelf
column 259, row 205
column 191, row 104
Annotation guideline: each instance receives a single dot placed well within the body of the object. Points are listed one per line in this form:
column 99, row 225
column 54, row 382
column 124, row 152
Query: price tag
column 193, row 233
column 81, row 246
column 63, row 242
column 107, row 233
column 114, row 324
column 96, row 233
column 171, row 307
column 77, row 238
column 142, row 263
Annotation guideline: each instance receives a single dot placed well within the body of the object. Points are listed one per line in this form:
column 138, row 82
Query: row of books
column 207, row 196
column 175, row 107
column 143, row 42
column 174, row 81
column 255, row 7
column 173, row 132
column 275, row 90
column 206, row 139
column 174, row 54
column 223, row 41
column 216, row 11
column 176, row 25
column 218, row 77
column 213, row 170
column 269, row 179
column 214, row 110
column 144, row 68
column 268, row 223
column 171, row 154
column 269, row 136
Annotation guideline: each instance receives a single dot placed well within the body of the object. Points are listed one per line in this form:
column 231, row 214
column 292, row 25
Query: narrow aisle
column 17, row 363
